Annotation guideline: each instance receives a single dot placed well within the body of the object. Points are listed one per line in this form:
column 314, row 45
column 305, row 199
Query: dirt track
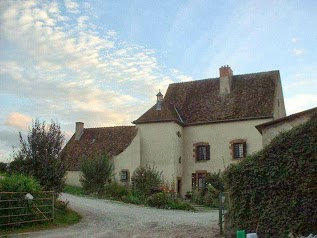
column 102, row 218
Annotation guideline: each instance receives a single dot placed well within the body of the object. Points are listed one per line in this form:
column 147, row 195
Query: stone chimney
column 225, row 79
column 159, row 100
column 79, row 130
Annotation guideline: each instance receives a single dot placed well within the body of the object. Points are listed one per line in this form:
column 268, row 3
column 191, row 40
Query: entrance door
column 179, row 185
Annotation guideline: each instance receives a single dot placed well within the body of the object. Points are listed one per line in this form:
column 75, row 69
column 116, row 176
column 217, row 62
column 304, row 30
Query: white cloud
column 71, row 71
column 72, row 6
column 18, row 120
column 12, row 69
column 300, row 102
column 294, row 39
column 298, row 52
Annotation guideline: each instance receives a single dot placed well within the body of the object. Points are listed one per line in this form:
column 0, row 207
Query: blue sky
column 102, row 62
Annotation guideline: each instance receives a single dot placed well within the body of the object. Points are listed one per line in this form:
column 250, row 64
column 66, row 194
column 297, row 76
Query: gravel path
column 103, row 218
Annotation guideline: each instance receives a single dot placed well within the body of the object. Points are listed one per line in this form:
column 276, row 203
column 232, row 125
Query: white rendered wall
column 218, row 136
column 161, row 146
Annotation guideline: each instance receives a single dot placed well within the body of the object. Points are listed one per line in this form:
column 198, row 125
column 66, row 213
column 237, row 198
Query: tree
column 40, row 155
column 96, row 171
column 3, row 167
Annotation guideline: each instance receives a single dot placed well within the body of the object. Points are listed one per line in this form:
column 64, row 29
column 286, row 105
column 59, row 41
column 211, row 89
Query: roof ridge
column 104, row 127
column 256, row 73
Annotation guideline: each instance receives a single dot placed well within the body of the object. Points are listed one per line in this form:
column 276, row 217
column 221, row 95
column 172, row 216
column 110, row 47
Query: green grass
column 73, row 190
column 63, row 217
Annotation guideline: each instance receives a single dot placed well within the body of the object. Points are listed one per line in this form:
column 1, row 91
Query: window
column 199, row 180
column 203, row 152
column 238, row 149
column 125, row 176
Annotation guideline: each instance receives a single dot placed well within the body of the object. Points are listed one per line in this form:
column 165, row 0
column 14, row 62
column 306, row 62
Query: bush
column 116, row 190
column 39, row 155
column 167, row 201
column 145, row 179
column 179, row 204
column 159, row 200
column 96, row 172
column 134, row 199
column 275, row 189
column 3, row 167
column 215, row 180
column 19, row 183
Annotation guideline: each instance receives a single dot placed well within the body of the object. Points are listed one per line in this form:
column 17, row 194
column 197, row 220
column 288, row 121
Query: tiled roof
column 96, row 141
column 198, row 102
column 291, row 117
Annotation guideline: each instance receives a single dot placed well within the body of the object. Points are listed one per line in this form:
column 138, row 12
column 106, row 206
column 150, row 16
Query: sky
column 103, row 61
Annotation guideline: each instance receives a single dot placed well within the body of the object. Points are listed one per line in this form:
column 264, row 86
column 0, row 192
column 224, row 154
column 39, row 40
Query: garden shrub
column 96, row 171
column 116, row 190
column 168, row 201
column 19, row 183
column 275, row 189
column 145, row 179
column 159, row 200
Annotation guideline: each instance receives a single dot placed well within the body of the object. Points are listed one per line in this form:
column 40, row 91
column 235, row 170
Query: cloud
column 69, row 69
column 72, row 6
column 300, row 102
column 18, row 120
column 298, row 52
column 294, row 39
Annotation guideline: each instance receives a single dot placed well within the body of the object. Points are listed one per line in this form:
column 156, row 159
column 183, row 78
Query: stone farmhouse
column 198, row 127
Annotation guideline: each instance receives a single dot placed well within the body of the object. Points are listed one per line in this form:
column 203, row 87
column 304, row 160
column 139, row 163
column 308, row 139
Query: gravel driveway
column 103, row 218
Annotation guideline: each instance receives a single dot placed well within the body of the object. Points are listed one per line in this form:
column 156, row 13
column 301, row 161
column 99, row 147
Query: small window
column 203, row 152
column 239, row 150
column 124, row 175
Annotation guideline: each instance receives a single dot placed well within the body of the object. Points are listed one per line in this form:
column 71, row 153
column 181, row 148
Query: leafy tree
column 39, row 155
column 145, row 179
column 3, row 167
column 96, row 171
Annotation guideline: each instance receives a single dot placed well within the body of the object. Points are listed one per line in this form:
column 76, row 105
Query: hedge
column 275, row 190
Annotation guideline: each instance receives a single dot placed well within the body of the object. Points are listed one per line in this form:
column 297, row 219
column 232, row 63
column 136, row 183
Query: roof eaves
column 227, row 120
column 287, row 118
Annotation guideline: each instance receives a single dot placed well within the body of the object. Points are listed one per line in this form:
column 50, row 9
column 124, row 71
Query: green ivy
column 275, row 190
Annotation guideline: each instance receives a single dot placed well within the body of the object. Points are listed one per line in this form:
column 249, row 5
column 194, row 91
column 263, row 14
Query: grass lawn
column 73, row 190
column 63, row 217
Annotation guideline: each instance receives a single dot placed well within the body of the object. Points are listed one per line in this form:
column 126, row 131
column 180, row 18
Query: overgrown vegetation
column 3, row 167
column 145, row 179
column 19, row 183
column 145, row 190
column 209, row 195
column 26, row 184
column 73, row 190
column 39, row 155
column 275, row 190
column 96, row 171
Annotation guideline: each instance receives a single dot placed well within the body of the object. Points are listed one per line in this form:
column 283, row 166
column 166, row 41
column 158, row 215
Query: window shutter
column 208, row 152
column 128, row 176
column 244, row 149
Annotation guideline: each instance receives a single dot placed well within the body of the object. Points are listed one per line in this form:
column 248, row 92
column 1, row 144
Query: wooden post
column 53, row 201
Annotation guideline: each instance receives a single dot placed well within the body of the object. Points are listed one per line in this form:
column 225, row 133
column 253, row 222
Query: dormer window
column 159, row 100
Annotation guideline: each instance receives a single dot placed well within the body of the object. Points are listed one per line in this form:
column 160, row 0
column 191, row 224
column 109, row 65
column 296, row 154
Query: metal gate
column 222, row 211
column 21, row 207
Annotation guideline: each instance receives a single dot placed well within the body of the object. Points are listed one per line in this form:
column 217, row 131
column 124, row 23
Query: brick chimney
column 225, row 79
column 79, row 130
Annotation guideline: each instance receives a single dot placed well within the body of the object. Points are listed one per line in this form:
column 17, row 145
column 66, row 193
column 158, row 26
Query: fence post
column 220, row 213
